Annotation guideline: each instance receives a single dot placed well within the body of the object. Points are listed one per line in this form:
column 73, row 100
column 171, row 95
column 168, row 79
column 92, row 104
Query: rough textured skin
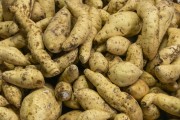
column 90, row 99
column 115, row 5
column 7, row 14
column 40, row 105
column 121, row 23
column 72, row 103
column 95, row 3
column 80, row 83
column 121, row 116
column 151, row 112
column 112, row 95
column 7, row 114
column 124, row 74
column 37, row 12
column 3, row 101
column 57, row 30
column 25, row 78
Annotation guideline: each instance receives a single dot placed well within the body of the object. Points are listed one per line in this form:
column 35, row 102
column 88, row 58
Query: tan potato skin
column 113, row 27
column 117, row 45
column 104, row 15
column 77, row 36
column 40, row 105
column 124, row 74
column 57, row 30
column 167, row 73
column 151, row 112
column 13, row 56
column 112, row 95
column 94, row 114
column 3, row 101
column 17, row 41
column 72, row 115
column 80, row 83
column 121, row 116
column 48, row 7
column 169, row 104
column 12, row 93
column 8, row 28
column 37, row 12
column 135, row 55
column 85, row 49
column 98, row 62
column 7, row 14
column 148, row 78
column 72, row 103
column 43, row 23
column 115, row 5
column 26, row 78
column 70, row 74
column 94, row 3
column 149, row 37
column 174, row 36
column 63, row 91
column 7, row 114
column 89, row 99
column 138, row 89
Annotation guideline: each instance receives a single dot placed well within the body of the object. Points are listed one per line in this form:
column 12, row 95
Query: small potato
column 148, row 79
column 120, row 24
column 70, row 74
column 80, row 83
column 12, row 93
column 117, row 45
column 48, row 7
column 89, row 99
column 72, row 103
column 138, row 90
column 115, row 5
column 25, row 78
column 3, row 101
column 77, row 36
column 72, row 115
column 94, row 114
column 8, row 28
column 151, row 112
column 124, row 74
column 167, row 73
column 8, row 114
column 85, row 49
column 113, row 96
column 17, row 41
column 121, row 116
column 63, row 91
column 37, row 12
column 57, row 30
column 98, row 62
column 41, row 104
column 13, row 56
column 135, row 55
column 94, row 3
column 67, row 59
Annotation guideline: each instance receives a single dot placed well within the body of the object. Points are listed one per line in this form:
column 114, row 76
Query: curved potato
column 8, row 114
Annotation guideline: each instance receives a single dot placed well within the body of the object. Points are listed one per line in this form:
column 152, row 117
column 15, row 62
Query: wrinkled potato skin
column 40, row 105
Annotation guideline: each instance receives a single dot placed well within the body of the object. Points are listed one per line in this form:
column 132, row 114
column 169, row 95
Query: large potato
column 41, row 104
